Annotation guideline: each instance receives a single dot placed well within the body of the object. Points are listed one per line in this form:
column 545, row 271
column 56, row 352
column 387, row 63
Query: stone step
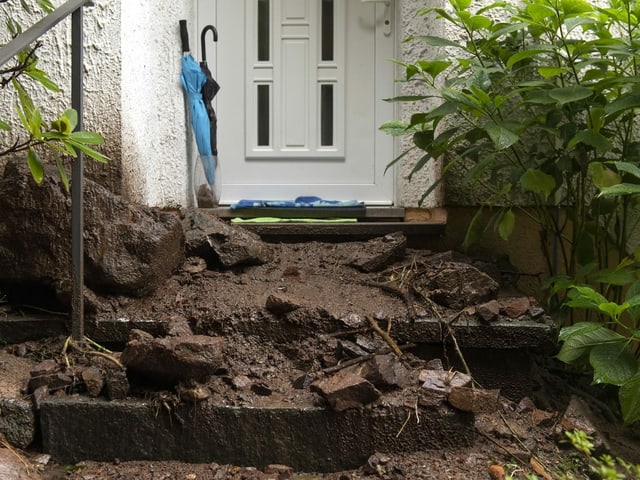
column 309, row 439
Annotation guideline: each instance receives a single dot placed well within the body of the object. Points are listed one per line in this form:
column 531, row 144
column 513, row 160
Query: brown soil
column 521, row 438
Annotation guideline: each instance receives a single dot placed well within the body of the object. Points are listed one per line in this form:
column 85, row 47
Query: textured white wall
column 154, row 141
column 410, row 191
column 134, row 97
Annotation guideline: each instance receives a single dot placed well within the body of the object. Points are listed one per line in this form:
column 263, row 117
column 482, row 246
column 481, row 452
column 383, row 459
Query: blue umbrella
column 193, row 79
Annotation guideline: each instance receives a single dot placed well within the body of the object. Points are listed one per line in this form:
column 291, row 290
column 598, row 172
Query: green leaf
column 613, row 364
column 43, row 79
column 506, row 224
column 474, row 230
column 5, row 126
column 437, row 41
column 501, row 136
column 405, row 98
column 577, row 345
column 602, row 176
column 423, row 139
column 627, row 167
column 525, row 54
column 577, row 329
column 621, row 189
column 420, row 164
column 629, row 397
column 576, row 6
column 550, row 72
column 88, row 151
column 35, row 166
column 395, row 128
column 62, row 173
column 570, row 94
column 434, row 67
column 71, row 115
column 87, row 138
column 626, row 102
column 536, row 181
column 591, row 138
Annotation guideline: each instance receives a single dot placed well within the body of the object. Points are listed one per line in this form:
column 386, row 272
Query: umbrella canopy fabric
column 211, row 87
column 193, row 79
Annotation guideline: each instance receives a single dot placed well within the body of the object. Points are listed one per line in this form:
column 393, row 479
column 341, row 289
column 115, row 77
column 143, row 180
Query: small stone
column 93, row 379
column 349, row 349
column 39, row 395
column 346, row 390
column 353, row 320
column 194, row 265
column 117, row 384
column 526, row 405
column 283, row 472
column 367, row 343
column 46, row 367
column 279, row 304
column 241, row 382
column 514, row 307
column 496, row 472
column 488, row 311
column 434, row 364
column 178, row 326
column 387, row 371
column 540, row 418
column 56, row 381
column 474, row 400
column 261, row 389
column 193, row 393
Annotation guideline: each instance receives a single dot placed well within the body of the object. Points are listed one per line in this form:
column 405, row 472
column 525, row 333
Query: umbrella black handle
column 203, row 34
column 184, row 36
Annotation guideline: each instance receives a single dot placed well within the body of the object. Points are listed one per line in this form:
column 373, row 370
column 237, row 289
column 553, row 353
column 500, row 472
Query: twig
column 8, row 446
column 402, row 293
column 404, row 424
column 360, row 359
column 104, row 353
column 385, row 335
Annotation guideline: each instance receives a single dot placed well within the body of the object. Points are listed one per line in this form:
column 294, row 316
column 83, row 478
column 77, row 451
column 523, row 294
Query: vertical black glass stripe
column 327, row 31
column 326, row 115
column 263, row 116
column 264, row 31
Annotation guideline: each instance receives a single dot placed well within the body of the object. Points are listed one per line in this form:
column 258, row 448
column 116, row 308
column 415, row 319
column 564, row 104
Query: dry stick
column 386, row 337
column 362, row 358
column 8, row 446
column 399, row 293
column 517, row 439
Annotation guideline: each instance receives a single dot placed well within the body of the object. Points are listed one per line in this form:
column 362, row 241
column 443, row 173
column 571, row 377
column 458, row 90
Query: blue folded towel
column 304, row 202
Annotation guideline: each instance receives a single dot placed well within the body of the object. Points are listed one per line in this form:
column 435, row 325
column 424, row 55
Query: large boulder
column 128, row 249
column 221, row 244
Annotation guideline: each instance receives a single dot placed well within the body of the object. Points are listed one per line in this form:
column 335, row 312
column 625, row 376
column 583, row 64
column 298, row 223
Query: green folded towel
column 293, row 220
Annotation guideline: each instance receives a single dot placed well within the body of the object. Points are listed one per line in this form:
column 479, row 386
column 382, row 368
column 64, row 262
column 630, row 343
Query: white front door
column 302, row 83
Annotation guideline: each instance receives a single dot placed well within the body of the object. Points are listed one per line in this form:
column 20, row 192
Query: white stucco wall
column 134, row 97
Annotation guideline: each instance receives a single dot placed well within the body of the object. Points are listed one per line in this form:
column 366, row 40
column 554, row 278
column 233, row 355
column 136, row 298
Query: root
column 385, row 335
column 98, row 351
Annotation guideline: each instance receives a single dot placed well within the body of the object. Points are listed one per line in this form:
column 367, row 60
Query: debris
column 379, row 253
column 387, row 371
column 192, row 392
column 474, row 400
column 488, row 311
column 279, row 304
column 282, row 471
column 93, row 379
column 514, row 307
column 345, row 390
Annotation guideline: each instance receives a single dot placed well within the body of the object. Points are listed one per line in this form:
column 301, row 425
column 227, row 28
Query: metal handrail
column 7, row 52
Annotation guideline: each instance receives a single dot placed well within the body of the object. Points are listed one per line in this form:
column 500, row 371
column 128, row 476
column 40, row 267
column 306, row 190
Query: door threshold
column 369, row 222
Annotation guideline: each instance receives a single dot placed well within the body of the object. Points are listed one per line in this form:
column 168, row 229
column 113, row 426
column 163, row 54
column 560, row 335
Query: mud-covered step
column 310, row 439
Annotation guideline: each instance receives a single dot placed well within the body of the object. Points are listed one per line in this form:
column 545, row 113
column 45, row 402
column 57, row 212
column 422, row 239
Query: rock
column 526, row 405
column 222, row 244
column 353, row 320
column 496, row 472
column 53, row 381
column 386, row 372
column 376, row 464
column 94, row 380
column 38, row 395
column 241, row 382
column 434, row 364
column 174, row 359
column 17, row 422
column 367, row 343
column 347, row 349
column 378, row 253
column 345, row 390
column 457, row 285
column 514, row 307
column 262, row 389
column 279, row 304
column 488, row 311
column 541, row 418
column 117, row 384
column 474, row 400
column 178, row 326
column 128, row 249
column 193, row 392
column 194, row 265
column 282, row 472
column 436, row 385
column 578, row 416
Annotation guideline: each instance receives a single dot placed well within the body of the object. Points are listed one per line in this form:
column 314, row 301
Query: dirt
column 318, row 294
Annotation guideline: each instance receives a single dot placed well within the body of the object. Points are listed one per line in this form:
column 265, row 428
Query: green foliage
column 604, row 467
column 609, row 346
column 536, row 104
column 55, row 140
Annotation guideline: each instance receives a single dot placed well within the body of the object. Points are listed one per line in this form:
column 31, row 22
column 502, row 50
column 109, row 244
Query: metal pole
column 77, row 216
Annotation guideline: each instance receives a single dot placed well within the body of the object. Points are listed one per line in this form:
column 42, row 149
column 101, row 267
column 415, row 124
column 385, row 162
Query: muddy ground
column 297, row 314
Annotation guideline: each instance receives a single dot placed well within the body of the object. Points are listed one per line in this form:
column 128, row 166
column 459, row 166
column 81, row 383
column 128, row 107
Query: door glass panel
column 326, row 115
column 327, row 30
column 264, row 31
column 263, row 116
